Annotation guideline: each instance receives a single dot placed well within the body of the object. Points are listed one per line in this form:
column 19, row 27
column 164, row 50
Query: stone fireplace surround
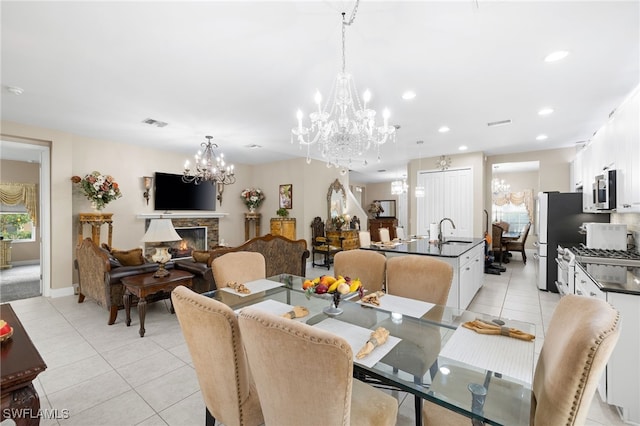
column 187, row 220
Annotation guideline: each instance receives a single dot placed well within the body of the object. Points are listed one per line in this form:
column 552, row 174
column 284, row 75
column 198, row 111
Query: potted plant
column 282, row 212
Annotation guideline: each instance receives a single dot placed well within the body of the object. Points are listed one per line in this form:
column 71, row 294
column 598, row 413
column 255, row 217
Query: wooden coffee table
column 144, row 285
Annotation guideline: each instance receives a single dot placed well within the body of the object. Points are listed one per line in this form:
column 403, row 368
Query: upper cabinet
column 615, row 146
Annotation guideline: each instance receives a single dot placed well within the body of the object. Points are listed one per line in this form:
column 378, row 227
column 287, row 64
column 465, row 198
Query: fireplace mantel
column 190, row 215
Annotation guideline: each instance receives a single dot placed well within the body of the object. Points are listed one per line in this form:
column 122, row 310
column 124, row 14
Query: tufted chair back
column 419, row 277
column 581, row 336
column 367, row 265
column 210, row 329
column 240, row 266
column 304, row 375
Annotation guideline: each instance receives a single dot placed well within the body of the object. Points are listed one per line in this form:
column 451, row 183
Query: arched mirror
column 336, row 200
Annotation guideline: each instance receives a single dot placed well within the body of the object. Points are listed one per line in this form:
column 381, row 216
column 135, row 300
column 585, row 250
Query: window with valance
column 13, row 194
column 516, row 208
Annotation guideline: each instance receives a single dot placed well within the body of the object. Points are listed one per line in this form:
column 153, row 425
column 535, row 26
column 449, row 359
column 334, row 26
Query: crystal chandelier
column 399, row 187
column 210, row 167
column 499, row 185
column 344, row 128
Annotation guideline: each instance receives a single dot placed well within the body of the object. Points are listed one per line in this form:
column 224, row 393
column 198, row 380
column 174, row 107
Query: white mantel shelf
column 189, row 215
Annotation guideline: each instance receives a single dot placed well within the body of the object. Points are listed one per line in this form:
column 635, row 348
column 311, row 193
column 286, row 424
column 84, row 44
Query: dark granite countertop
column 616, row 279
column 455, row 248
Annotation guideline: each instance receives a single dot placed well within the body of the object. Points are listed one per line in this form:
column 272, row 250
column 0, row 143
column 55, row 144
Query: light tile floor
column 108, row 375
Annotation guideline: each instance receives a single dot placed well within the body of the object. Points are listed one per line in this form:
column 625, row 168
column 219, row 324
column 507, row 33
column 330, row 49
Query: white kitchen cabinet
column 470, row 274
column 588, row 177
column 620, row 385
column 625, row 126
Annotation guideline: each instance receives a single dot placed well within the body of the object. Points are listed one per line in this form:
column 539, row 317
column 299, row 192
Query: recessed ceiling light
column 408, row 95
column 556, row 56
column 545, row 111
column 443, row 129
column 541, row 137
column 463, row 147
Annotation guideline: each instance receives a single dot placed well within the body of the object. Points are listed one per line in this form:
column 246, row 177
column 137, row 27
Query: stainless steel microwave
column 604, row 190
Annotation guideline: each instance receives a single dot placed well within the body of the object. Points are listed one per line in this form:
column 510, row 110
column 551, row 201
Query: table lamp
column 160, row 231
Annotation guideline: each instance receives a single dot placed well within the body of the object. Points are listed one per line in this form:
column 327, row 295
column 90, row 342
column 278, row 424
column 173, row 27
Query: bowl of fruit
column 6, row 331
column 328, row 286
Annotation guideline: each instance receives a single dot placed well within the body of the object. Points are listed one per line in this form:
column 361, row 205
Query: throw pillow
column 115, row 263
column 129, row 257
column 200, row 256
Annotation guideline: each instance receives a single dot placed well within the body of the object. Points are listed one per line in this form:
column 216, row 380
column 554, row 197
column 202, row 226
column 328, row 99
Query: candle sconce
column 147, row 187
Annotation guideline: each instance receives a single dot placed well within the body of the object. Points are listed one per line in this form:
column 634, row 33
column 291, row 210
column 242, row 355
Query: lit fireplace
column 193, row 238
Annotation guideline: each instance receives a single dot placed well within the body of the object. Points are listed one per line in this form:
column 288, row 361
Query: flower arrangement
column 375, row 208
column 339, row 221
column 252, row 197
column 98, row 188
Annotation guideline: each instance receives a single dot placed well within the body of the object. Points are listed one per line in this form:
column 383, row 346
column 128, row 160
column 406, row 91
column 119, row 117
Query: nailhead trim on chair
column 587, row 369
column 235, row 352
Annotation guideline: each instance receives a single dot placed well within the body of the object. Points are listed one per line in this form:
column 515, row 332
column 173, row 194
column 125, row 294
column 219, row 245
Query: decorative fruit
column 321, row 289
column 355, row 285
column 306, row 284
column 5, row 328
column 343, row 288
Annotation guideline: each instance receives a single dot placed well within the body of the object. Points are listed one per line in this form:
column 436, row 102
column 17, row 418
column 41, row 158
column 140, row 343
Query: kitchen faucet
column 440, row 228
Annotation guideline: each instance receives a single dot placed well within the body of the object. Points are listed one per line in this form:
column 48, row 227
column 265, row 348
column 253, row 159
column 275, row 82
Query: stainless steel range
column 607, row 257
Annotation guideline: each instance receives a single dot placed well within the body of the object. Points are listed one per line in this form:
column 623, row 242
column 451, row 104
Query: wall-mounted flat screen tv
column 171, row 193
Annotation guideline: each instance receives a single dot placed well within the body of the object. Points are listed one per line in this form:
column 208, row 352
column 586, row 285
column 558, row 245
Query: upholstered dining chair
column 384, row 235
column 368, row 266
column 497, row 245
column 240, row 266
column 581, row 336
column 365, row 238
column 519, row 245
column 400, row 233
column 419, row 277
column 304, row 375
column 211, row 332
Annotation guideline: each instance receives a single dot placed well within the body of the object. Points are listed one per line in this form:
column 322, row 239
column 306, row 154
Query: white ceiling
column 240, row 70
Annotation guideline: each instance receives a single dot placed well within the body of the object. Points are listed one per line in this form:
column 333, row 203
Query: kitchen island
column 465, row 255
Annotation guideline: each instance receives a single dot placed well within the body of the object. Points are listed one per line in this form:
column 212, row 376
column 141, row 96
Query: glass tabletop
column 485, row 377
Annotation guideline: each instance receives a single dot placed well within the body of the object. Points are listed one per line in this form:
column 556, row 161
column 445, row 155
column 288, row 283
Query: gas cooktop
column 607, row 257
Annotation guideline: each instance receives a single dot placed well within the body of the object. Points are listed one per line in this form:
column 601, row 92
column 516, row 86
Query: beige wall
column 22, row 172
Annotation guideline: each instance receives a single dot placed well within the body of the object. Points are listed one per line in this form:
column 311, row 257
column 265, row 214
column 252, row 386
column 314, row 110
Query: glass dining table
column 428, row 354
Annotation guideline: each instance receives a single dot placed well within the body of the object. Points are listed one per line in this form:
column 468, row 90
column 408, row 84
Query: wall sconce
column 220, row 190
column 147, row 186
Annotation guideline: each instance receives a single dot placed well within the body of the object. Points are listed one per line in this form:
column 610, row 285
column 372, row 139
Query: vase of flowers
column 375, row 209
column 98, row 188
column 252, row 198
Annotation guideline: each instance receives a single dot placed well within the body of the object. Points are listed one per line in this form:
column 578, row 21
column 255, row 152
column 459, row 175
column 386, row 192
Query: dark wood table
column 21, row 363
column 144, row 285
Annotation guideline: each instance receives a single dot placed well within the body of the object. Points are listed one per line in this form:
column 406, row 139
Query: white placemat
column 507, row 355
column 386, row 245
column 405, row 306
column 357, row 337
column 255, row 287
column 274, row 307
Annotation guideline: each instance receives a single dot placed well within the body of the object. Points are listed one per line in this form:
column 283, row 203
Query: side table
column 248, row 219
column 144, row 285
column 96, row 220
column 21, row 363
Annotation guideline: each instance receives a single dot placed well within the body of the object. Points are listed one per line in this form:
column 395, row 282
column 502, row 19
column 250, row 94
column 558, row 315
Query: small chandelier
column 210, row 167
column 344, row 128
column 499, row 185
column 399, row 187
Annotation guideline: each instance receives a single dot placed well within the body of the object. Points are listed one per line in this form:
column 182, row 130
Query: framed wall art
column 286, row 196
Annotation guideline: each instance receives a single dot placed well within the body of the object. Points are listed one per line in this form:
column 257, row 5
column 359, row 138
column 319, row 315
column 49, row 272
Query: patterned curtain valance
column 516, row 198
column 21, row 193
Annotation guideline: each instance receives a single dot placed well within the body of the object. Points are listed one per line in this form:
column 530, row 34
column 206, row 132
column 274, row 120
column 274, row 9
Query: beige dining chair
column 419, row 277
column 240, row 266
column 365, row 238
column 581, row 336
column 400, row 233
column 211, row 332
column 304, row 375
column 384, row 235
column 368, row 266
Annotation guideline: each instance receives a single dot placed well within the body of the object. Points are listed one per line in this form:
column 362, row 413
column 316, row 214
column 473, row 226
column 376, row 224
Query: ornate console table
column 248, row 219
column 21, row 363
column 96, row 220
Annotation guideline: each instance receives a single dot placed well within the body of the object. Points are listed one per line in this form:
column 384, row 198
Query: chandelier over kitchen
column 209, row 167
column 344, row 128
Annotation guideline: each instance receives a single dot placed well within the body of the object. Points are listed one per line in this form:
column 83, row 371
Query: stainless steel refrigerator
column 558, row 219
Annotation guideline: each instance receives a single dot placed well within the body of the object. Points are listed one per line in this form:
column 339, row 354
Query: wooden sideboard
column 349, row 237
column 285, row 226
column 387, row 222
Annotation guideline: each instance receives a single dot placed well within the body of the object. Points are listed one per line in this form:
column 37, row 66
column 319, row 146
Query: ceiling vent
column 499, row 123
column 152, row 122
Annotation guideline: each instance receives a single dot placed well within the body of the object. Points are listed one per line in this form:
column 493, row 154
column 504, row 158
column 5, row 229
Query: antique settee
column 282, row 256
